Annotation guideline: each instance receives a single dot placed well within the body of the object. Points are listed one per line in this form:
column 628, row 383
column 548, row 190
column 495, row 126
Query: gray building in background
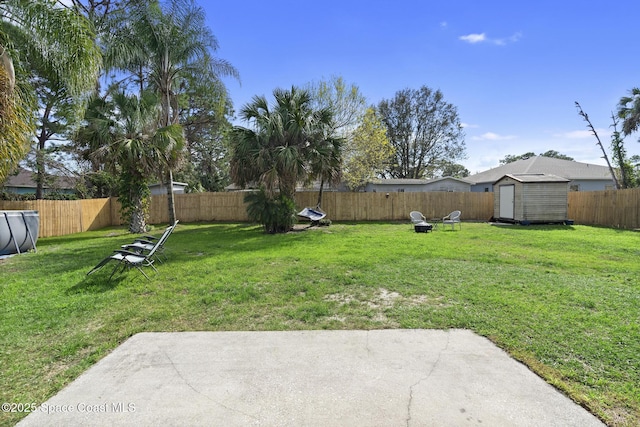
column 446, row 183
column 24, row 183
column 581, row 176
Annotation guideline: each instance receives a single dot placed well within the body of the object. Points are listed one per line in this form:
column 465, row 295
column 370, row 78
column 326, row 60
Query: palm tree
column 15, row 124
column 630, row 113
column 287, row 144
column 138, row 148
column 326, row 163
column 56, row 36
column 166, row 46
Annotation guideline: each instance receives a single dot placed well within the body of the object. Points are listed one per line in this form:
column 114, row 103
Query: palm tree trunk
column 165, row 91
column 40, row 171
column 138, row 223
column 7, row 63
column 320, row 194
column 170, row 198
column 40, row 155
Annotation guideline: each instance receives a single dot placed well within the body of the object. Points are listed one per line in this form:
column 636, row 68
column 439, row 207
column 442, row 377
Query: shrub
column 275, row 214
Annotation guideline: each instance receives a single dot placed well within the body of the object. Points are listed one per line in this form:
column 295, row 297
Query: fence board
column 61, row 217
column 96, row 213
column 612, row 208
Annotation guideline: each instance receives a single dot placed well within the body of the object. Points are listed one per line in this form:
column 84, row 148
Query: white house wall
column 442, row 185
column 576, row 185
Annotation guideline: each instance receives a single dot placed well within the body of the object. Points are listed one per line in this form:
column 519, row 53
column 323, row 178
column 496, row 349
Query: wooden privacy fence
column 339, row 206
column 61, row 217
column 197, row 207
column 396, row 206
column 612, row 208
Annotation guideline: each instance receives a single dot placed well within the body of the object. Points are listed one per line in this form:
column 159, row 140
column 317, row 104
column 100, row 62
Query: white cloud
column 443, row 24
column 473, row 38
column 468, row 126
column 482, row 37
column 490, row 136
column 512, row 39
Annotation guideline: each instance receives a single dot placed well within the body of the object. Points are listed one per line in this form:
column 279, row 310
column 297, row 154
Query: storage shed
column 531, row 198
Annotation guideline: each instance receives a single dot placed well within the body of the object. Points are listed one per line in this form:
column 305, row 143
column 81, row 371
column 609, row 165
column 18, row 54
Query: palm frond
column 63, row 38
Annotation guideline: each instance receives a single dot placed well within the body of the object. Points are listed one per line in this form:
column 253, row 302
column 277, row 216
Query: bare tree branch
column 604, row 153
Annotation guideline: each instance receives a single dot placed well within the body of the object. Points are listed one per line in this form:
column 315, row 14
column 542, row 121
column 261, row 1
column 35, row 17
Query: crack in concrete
column 177, row 371
column 426, row 377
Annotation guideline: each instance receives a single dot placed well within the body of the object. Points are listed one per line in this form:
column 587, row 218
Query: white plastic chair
column 453, row 218
column 417, row 217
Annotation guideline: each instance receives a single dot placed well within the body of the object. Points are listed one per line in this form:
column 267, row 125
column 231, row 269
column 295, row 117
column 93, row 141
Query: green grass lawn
column 563, row 300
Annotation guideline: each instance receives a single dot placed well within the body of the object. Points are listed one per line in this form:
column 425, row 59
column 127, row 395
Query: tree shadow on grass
column 74, row 256
column 108, row 232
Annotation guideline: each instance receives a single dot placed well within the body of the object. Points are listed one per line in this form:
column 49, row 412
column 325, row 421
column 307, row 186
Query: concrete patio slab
column 309, row 378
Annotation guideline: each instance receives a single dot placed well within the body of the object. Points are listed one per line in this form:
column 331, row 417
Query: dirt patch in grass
column 385, row 298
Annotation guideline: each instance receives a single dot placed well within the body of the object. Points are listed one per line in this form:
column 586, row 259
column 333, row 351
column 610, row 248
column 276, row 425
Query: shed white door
column 507, row 201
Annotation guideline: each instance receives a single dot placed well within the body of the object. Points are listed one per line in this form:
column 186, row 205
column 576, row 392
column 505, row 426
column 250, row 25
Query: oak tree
column 424, row 130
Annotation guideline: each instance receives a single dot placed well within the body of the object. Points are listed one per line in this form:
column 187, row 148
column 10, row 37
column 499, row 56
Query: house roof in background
column 568, row 169
column 399, row 181
column 408, row 181
column 450, row 178
column 24, row 179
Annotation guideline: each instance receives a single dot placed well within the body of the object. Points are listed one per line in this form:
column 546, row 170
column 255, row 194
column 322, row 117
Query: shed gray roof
column 535, row 177
column 568, row 169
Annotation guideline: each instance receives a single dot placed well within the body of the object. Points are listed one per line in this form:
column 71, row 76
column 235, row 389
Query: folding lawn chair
column 129, row 259
column 146, row 243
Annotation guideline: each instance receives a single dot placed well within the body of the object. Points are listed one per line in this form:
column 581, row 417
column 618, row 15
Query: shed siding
column 518, row 201
column 576, row 184
column 544, row 202
column 535, row 201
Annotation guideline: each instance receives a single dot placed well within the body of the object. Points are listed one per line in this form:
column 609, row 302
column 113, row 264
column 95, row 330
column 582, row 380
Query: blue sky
column 513, row 69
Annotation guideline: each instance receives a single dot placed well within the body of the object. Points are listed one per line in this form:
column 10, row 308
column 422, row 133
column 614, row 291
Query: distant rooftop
column 568, row 169
column 24, row 179
column 408, row 181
